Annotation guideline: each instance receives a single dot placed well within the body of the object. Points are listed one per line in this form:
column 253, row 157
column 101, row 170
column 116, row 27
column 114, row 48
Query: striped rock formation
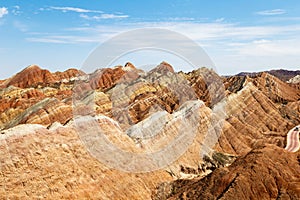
column 211, row 137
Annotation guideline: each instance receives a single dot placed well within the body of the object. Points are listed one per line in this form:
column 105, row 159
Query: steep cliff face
column 244, row 118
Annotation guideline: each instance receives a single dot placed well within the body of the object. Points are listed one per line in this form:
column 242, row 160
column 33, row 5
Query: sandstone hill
column 238, row 126
column 249, row 177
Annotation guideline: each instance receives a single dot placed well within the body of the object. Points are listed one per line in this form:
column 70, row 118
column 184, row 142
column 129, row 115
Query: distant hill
column 282, row 74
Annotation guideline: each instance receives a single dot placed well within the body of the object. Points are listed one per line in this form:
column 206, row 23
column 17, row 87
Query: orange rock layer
column 42, row 155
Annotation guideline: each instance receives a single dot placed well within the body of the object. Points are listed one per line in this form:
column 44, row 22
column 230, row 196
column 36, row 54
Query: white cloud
column 232, row 47
column 72, row 9
column 112, row 16
column 66, row 39
column 3, row 11
column 85, row 12
column 225, row 31
column 48, row 40
column 253, row 56
column 181, row 19
column 271, row 12
column 262, row 41
column 275, row 48
column 16, row 10
column 84, row 16
column 220, row 20
column 103, row 16
column 201, row 32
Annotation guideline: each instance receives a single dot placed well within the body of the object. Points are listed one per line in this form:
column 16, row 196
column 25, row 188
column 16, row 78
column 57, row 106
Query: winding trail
column 293, row 143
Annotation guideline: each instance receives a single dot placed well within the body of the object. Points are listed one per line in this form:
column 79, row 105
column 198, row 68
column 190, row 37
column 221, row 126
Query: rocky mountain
column 249, row 177
column 271, row 86
column 33, row 76
column 282, row 74
column 189, row 135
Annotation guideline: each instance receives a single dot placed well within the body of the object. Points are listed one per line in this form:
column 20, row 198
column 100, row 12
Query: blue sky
column 238, row 35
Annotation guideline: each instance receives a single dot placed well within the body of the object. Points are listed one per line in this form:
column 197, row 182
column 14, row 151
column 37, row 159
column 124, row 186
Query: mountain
column 274, row 88
column 33, row 76
column 190, row 135
column 282, row 74
column 247, row 178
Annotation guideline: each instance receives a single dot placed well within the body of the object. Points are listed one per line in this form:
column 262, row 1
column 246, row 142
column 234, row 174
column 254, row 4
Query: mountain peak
column 164, row 67
column 29, row 76
column 129, row 66
column 33, row 67
column 167, row 66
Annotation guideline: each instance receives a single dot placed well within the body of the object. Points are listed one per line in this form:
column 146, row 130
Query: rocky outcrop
column 105, row 79
column 207, row 85
column 163, row 68
column 68, row 75
column 129, row 67
column 253, row 119
column 15, row 101
column 235, row 83
column 257, row 175
column 20, row 105
column 158, row 90
column 275, row 89
column 294, row 80
column 48, row 113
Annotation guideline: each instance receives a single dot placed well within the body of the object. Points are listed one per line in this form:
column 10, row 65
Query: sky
column 250, row 35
